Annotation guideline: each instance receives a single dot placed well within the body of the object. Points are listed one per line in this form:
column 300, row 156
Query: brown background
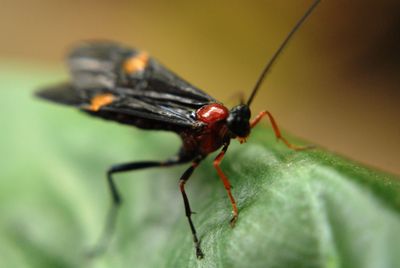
column 336, row 85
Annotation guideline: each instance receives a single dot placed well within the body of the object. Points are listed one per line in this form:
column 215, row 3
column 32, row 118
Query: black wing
column 125, row 85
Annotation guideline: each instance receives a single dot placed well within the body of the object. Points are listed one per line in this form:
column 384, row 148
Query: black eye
column 238, row 120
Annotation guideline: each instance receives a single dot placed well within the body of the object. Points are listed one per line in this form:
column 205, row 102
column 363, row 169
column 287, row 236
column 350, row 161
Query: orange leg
column 226, row 183
column 276, row 130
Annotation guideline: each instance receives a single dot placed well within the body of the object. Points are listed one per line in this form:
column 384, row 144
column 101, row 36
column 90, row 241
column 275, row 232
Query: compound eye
column 238, row 120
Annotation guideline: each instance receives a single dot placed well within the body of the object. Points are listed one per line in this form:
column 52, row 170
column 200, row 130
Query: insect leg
column 105, row 238
column 275, row 127
column 225, row 181
column 184, row 178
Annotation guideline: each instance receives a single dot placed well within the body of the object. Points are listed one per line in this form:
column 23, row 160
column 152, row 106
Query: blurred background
column 336, row 85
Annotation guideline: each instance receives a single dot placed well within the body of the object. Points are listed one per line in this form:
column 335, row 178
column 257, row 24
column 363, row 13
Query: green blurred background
column 336, row 85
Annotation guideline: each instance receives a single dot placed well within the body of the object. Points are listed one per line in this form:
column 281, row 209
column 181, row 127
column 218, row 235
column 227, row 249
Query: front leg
column 277, row 132
column 225, row 181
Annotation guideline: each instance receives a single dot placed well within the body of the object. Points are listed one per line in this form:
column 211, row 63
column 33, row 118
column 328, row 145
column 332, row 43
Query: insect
column 117, row 83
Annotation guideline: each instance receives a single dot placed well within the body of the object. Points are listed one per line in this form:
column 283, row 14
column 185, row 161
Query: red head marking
column 212, row 113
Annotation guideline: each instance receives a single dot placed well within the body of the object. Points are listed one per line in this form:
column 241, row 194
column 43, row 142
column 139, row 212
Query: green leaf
column 297, row 209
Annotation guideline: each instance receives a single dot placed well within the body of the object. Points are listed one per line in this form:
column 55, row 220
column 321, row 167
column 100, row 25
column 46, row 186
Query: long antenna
column 278, row 52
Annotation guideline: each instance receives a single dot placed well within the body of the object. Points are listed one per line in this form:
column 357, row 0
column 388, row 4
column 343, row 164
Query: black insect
column 126, row 85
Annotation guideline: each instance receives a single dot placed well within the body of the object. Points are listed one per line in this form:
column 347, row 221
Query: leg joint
column 182, row 185
column 216, row 163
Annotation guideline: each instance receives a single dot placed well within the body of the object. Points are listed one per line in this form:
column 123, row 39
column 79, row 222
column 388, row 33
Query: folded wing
column 127, row 86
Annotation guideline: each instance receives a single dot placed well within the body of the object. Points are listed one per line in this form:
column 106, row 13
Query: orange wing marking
column 99, row 101
column 136, row 63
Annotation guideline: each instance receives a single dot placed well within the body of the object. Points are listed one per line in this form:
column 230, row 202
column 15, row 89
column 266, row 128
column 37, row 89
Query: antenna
column 279, row 50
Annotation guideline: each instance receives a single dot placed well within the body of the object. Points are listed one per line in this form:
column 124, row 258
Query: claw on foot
column 199, row 253
column 233, row 221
